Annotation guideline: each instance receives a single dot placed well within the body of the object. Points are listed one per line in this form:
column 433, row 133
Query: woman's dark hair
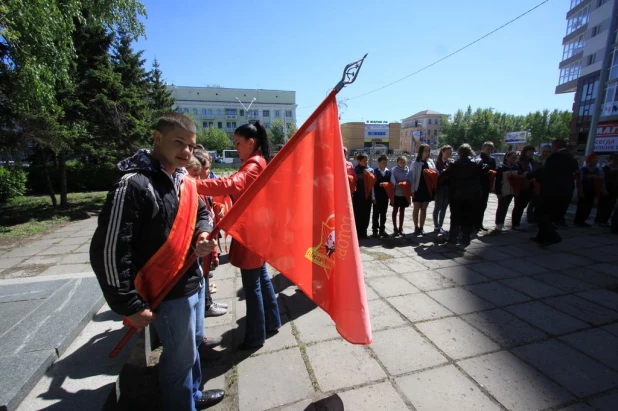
column 444, row 148
column 257, row 132
column 510, row 153
column 523, row 152
column 201, row 156
column 421, row 150
column 382, row 158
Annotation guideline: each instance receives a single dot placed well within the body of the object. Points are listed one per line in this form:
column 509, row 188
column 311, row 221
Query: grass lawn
column 25, row 216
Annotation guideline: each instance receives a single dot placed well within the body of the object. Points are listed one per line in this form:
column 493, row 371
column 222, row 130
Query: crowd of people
column 160, row 212
column 542, row 188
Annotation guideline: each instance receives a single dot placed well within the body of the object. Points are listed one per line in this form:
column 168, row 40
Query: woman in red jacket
column 251, row 142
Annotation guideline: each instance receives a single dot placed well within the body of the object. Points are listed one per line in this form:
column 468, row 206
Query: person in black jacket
column 465, row 193
column 383, row 175
column 135, row 222
column 488, row 163
column 504, row 190
column 609, row 196
column 556, row 178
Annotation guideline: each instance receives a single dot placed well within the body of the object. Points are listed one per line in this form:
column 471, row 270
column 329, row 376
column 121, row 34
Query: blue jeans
column 439, row 211
column 262, row 307
column 180, row 325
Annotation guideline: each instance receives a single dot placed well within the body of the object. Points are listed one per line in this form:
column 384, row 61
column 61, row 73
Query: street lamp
column 246, row 108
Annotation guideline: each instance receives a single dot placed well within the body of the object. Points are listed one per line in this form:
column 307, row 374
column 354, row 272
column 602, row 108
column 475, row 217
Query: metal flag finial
column 350, row 72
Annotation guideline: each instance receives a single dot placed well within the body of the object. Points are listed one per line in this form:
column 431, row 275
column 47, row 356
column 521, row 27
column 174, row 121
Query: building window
column 185, row 110
column 265, row 113
column 586, row 110
column 613, row 71
column 207, row 124
column 179, row 110
column 437, row 121
column 596, row 30
column 219, row 124
column 195, row 112
column 231, row 111
column 589, row 89
column 277, row 113
column 575, row 3
column 219, row 112
column 267, row 125
column 592, row 59
column 570, row 72
column 600, row 3
column 242, row 113
column 573, row 47
column 610, row 108
column 288, row 113
column 429, row 121
column 578, row 20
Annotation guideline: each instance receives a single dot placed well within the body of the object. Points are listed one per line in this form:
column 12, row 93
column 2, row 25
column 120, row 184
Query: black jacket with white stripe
column 134, row 223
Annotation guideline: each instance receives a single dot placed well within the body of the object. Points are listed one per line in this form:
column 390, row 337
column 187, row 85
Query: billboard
column 376, row 132
column 516, row 137
column 606, row 139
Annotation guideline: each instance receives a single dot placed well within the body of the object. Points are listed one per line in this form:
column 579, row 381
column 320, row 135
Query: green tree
column 291, row 129
column 135, row 117
column 214, row 139
column 276, row 134
column 160, row 98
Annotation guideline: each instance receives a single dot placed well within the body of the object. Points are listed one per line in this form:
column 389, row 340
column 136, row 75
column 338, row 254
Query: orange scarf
column 431, row 180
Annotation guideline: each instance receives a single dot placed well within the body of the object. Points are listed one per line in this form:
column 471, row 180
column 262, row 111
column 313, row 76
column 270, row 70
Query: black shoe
column 210, row 398
column 481, row 228
column 246, row 347
column 375, row 235
column 384, row 234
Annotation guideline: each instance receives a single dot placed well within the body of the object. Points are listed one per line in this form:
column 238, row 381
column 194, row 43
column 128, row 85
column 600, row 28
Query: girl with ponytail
column 255, row 152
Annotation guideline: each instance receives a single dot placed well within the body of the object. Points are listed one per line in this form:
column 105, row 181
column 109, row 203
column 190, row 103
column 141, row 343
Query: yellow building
column 358, row 135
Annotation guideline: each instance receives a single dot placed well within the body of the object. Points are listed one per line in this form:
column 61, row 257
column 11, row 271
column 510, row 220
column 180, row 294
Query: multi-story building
column 422, row 127
column 223, row 107
column 358, row 135
column 584, row 49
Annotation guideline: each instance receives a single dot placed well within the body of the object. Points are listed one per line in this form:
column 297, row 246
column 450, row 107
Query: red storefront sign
column 607, row 138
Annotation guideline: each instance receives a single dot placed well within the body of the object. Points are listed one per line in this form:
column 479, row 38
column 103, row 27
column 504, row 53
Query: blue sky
column 304, row 45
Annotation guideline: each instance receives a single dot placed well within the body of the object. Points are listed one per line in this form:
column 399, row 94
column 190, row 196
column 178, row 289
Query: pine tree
column 134, row 122
column 160, row 98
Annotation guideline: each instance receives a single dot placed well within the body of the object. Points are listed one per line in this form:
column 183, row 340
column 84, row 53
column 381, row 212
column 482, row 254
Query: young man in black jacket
column 488, row 163
column 135, row 225
column 383, row 175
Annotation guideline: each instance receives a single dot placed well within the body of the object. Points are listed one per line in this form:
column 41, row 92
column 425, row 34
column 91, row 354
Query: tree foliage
column 214, row 139
column 476, row 127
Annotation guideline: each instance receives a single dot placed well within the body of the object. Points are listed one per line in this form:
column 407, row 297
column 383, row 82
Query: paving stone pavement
column 501, row 325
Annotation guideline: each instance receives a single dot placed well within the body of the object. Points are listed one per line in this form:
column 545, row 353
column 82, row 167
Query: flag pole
column 350, row 72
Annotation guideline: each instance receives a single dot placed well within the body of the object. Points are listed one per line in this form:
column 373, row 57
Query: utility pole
column 246, row 108
column 607, row 61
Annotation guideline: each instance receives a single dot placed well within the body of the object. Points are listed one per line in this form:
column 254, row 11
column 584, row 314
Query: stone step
column 38, row 322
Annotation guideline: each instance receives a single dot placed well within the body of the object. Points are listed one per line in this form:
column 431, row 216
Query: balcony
column 610, row 109
column 231, row 116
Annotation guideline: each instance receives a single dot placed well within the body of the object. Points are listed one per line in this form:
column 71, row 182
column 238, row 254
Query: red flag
column 298, row 217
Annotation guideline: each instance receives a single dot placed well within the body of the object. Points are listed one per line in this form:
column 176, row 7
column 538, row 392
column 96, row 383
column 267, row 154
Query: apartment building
column 422, row 127
column 228, row 108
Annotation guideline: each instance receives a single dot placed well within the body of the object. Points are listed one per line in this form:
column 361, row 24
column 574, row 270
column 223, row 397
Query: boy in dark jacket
column 383, row 175
column 134, row 240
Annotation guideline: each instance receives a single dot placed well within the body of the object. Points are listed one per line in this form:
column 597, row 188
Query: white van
column 228, row 156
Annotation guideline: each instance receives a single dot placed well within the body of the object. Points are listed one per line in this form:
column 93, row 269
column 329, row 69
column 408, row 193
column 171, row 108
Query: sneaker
column 436, row 230
column 384, row 234
column 211, row 342
column 221, row 305
column 500, row 228
column 215, row 311
column 443, row 231
column 417, row 231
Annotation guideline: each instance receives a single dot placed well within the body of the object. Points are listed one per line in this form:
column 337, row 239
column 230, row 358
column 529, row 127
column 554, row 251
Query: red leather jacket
column 234, row 186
